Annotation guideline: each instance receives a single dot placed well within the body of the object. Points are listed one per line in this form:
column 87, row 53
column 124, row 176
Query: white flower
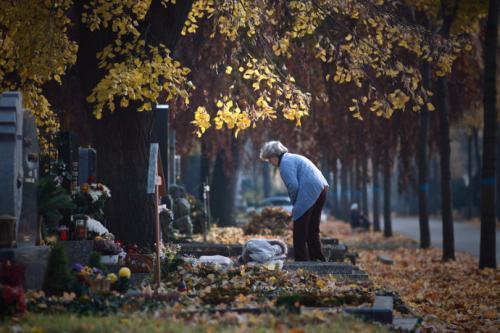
column 96, row 226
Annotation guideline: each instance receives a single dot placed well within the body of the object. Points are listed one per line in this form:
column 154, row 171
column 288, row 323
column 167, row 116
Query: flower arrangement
column 100, row 283
column 12, row 299
column 91, row 199
column 168, row 251
column 106, row 245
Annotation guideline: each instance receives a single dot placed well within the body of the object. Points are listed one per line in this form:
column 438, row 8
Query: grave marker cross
column 156, row 186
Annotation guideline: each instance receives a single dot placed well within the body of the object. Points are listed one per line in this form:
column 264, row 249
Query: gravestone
column 19, row 162
column 28, row 223
column 19, row 155
column 87, row 158
column 11, row 167
column 181, row 209
column 68, row 153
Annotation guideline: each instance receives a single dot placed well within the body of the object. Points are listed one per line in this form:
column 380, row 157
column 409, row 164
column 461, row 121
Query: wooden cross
column 156, row 185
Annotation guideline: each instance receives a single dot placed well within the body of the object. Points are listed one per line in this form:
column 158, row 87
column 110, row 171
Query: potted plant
column 109, row 249
column 52, row 199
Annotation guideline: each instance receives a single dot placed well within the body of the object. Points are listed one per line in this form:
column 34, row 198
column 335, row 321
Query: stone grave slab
column 337, row 268
column 33, row 258
column 208, row 249
column 329, row 241
column 78, row 251
column 385, row 259
column 407, row 324
column 381, row 311
column 332, row 252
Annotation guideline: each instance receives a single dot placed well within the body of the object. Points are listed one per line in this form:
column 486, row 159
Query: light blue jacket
column 303, row 181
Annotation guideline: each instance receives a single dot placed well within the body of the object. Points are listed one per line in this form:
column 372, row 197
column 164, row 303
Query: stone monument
column 19, row 167
column 182, row 210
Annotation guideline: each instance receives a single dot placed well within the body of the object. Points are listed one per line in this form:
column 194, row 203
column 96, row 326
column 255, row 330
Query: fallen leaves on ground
column 364, row 240
column 456, row 293
column 236, row 235
column 451, row 296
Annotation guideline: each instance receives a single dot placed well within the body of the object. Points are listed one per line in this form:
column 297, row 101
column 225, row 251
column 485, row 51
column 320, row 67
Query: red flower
column 11, row 274
column 9, row 295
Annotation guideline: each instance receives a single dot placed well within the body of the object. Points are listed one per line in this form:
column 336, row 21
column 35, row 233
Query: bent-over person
column 307, row 189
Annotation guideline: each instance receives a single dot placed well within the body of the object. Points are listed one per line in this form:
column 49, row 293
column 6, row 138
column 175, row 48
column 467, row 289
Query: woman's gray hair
column 272, row 148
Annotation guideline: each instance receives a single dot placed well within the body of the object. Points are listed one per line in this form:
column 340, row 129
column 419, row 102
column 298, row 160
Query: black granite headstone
column 68, row 153
column 87, row 165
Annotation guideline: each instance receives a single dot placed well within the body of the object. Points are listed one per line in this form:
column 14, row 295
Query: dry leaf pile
column 271, row 221
column 235, row 235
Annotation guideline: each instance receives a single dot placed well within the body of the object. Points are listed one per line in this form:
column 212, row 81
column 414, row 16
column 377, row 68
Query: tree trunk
column 444, row 145
column 423, row 187
column 376, row 195
column 470, row 177
column 122, row 139
column 344, row 203
column 224, row 186
column 204, row 168
column 364, row 186
column 352, row 183
column 477, row 151
column 476, row 185
column 487, row 254
column 333, row 191
column 387, row 194
column 497, row 194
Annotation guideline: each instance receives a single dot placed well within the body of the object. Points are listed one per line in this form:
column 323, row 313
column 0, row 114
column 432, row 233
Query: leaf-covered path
column 466, row 234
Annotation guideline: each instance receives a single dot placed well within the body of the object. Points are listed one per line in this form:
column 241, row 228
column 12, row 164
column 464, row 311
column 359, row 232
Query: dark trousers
column 306, row 231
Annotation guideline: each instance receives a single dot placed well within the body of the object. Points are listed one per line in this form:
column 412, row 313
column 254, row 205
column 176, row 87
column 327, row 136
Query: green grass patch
column 309, row 322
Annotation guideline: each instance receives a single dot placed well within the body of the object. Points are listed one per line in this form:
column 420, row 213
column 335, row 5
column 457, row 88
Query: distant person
column 307, row 189
column 355, row 217
column 364, row 222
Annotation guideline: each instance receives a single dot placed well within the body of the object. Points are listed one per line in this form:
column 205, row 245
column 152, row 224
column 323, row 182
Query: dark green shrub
column 58, row 277
column 95, row 260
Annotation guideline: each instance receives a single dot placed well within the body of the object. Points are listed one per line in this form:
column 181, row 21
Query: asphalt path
column 467, row 235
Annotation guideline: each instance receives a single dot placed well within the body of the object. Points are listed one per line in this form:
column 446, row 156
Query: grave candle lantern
column 63, row 233
column 80, row 228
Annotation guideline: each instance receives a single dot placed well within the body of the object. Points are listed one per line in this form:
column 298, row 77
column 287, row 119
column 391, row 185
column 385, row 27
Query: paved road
column 467, row 235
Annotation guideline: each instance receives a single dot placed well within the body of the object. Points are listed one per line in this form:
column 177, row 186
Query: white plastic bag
column 216, row 260
column 263, row 251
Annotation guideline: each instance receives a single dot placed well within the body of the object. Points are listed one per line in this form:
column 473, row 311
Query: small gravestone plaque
column 87, row 165
column 68, row 153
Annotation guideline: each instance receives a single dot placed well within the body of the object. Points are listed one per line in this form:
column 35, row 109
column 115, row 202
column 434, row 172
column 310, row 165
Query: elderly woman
column 307, row 189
